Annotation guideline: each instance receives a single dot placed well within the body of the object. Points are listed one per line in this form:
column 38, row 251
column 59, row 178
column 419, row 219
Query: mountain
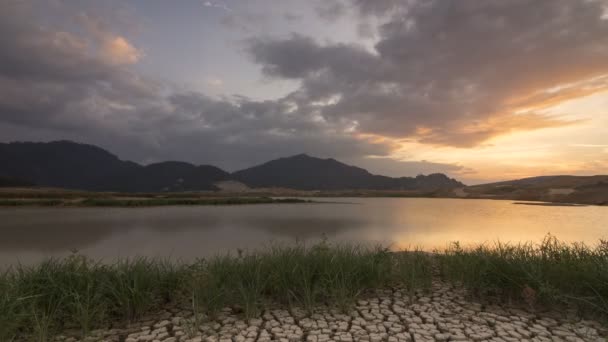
column 303, row 172
column 67, row 164
column 560, row 181
column 564, row 189
column 180, row 176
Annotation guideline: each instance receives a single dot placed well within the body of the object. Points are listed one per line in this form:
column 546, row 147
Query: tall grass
column 549, row 273
column 297, row 275
column 350, row 270
column 210, row 284
column 414, row 270
column 77, row 293
column 10, row 315
column 249, row 281
column 133, row 287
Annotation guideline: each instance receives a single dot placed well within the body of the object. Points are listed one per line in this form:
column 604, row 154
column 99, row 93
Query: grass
column 143, row 202
column 414, row 270
column 30, row 202
column 551, row 273
column 323, row 273
column 77, row 293
column 10, row 308
column 184, row 201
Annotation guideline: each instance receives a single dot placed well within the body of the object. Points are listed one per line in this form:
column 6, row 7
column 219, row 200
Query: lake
column 32, row 234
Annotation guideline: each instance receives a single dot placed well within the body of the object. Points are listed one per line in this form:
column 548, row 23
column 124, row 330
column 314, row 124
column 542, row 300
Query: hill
column 14, row 182
column 71, row 165
column 303, row 172
column 563, row 189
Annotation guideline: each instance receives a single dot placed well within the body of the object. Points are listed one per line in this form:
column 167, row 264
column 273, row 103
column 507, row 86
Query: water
column 32, row 234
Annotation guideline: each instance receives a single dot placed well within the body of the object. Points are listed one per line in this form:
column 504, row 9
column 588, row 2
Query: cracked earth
column 445, row 314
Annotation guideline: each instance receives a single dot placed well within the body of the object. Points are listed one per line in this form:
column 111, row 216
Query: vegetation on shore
column 143, row 202
column 552, row 273
column 593, row 191
column 77, row 293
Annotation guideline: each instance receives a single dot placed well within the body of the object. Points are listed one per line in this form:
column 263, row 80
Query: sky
column 480, row 90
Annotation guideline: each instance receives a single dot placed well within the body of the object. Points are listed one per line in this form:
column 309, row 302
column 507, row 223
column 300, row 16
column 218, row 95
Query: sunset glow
column 479, row 91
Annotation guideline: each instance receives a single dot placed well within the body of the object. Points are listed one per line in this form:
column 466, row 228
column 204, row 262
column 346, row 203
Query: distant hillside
column 559, row 181
column 564, row 189
column 13, row 182
column 67, row 164
column 304, row 172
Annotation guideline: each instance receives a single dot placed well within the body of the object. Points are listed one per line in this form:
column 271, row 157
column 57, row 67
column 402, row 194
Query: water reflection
column 31, row 234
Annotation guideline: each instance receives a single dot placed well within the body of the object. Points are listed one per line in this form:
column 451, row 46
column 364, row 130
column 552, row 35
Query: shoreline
column 145, row 202
column 34, row 196
column 552, row 204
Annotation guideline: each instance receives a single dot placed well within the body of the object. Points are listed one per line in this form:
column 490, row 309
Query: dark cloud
column 382, row 7
column 330, row 10
column 291, row 17
column 302, row 57
column 451, row 72
column 442, row 72
column 61, row 84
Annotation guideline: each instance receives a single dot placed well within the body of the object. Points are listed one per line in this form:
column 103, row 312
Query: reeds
column 294, row 276
column 324, row 273
column 413, row 270
column 77, row 293
column 10, row 307
column 551, row 273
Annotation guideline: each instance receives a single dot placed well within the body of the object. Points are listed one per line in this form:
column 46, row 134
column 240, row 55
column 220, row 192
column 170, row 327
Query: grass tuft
column 414, row 270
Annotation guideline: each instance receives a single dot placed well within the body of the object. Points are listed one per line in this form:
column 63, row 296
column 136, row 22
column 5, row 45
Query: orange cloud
column 113, row 48
column 117, row 50
column 469, row 134
column 555, row 95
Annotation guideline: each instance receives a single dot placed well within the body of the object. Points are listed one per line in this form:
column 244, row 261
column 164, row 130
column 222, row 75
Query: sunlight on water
column 32, row 234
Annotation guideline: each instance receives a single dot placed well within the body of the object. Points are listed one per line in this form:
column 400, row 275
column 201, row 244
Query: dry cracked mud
column 445, row 314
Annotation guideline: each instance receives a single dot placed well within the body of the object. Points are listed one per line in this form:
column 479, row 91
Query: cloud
column 406, row 168
column 119, row 51
column 214, row 82
column 291, row 17
column 330, row 10
column 79, row 85
column 219, row 5
column 113, row 48
column 454, row 73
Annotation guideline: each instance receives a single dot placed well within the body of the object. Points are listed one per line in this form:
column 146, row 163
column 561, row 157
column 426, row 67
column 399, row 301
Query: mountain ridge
column 74, row 165
column 556, row 188
column 304, row 172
